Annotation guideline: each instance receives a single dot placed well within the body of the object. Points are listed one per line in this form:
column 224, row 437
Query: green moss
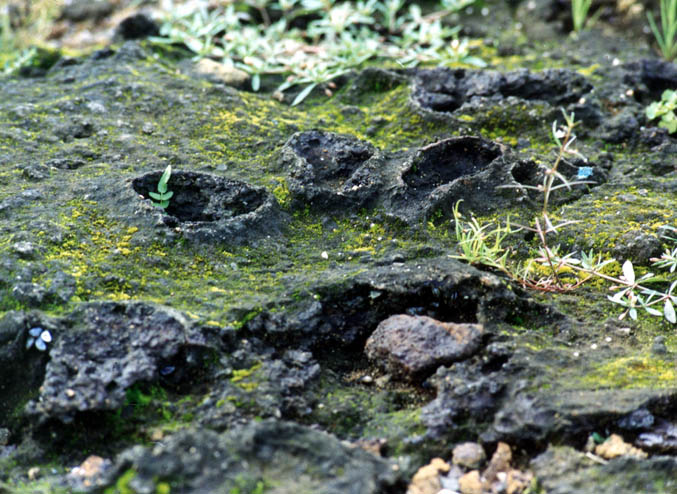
column 636, row 371
column 244, row 378
column 122, row 484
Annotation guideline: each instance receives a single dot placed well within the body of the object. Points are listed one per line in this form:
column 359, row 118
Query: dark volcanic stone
column 206, row 207
column 21, row 369
column 328, row 170
column 137, row 26
column 278, row 389
column 348, row 310
column 303, row 460
column 445, row 90
column 107, row 348
column 564, row 470
column 442, row 173
column 410, row 346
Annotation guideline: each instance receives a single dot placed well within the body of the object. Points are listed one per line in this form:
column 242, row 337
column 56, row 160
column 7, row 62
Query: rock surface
column 235, row 321
column 409, row 346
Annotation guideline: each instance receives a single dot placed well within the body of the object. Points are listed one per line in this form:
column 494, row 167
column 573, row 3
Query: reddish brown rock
column 414, row 346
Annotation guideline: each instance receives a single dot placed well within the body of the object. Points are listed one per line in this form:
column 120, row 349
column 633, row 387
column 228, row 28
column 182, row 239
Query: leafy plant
column 665, row 109
column 162, row 195
column 666, row 37
column 308, row 43
column 579, row 13
column 483, row 244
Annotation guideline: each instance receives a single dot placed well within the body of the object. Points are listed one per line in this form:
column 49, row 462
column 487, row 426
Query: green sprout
column 665, row 109
column 162, row 195
column 666, row 37
column 579, row 12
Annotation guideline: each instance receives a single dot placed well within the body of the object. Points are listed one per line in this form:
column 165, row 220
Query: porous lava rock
column 209, row 208
column 257, row 454
column 271, row 387
column 348, row 309
column 22, row 369
column 563, row 470
column 446, row 90
column 331, row 171
column 459, row 168
column 106, row 347
column 411, row 346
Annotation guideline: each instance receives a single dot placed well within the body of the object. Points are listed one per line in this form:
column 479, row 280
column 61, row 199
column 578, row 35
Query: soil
column 218, row 345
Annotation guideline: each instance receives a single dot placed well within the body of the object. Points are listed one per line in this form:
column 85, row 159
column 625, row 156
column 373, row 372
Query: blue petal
column 35, row 332
column 29, row 343
column 584, row 172
column 40, row 345
column 165, row 371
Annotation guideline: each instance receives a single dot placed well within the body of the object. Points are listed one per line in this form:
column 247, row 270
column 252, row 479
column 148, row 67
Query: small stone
column 427, row 479
column 25, row 250
column 411, row 346
column 500, row 462
column 518, row 481
column 470, row 483
column 224, row 73
column 70, row 393
column 33, row 473
column 469, row 455
column 615, row 447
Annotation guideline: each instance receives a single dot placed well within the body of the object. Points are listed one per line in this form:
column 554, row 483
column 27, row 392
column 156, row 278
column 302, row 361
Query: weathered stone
column 222, row 73
column 108, row 348
column 563, row 470
column 411, row 346
column 471, row 483
column 260, row 453
column 207, row 208
column 500, row 462
column 469, row 455
column 615, row 447
column 426, row 480
column 328, row 171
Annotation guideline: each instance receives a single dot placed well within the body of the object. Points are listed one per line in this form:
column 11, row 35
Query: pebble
column 469, row 455
column 615, row 447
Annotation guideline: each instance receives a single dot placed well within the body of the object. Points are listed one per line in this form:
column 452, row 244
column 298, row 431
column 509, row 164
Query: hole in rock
column 332, row 157
column 445, row 161
column 355, row 314
column 200, row 197
column 526, row 173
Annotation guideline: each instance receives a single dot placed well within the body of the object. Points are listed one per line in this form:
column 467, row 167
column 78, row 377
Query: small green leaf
column 303, row 94
column 155, row 195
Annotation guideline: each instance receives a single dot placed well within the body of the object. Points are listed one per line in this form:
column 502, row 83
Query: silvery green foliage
column 633, row 293
column 341, row 36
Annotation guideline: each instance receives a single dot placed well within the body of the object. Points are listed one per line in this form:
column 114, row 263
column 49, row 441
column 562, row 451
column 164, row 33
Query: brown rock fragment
column 411, row 346
column 427, row 478
column 518, row 481
column 615, row 447
column 500, row 462
column 471, row 483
